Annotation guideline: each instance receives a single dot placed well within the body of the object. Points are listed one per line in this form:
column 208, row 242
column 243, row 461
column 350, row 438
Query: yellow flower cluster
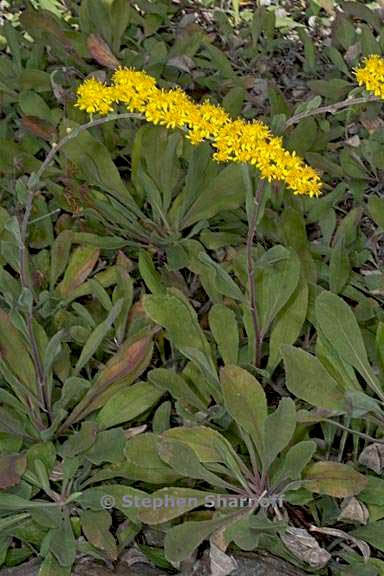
column 93, row 96
column 371, row 75
column 232, row 140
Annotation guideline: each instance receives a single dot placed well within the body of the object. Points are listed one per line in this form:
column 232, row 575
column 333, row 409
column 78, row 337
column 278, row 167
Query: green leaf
column 339, row 325
column 279, row 429
column 62, row 544
column 97, row 336
column 376, row 210
column 183, row 539
column 224, row 192
column 11, row 521
column 51, row 567
column 245, row 400
column 81, row 441
column 176, row 385
column 108, row 447
column 308, row 380
column 144, row 463
column 111, row 496
column 149, row 273
column 339, row 268
column 96, row 527
column 174, row 312
column 303, row 136
column 223, row 324
column 221, row 279
column 220, row 61
column 169, row 503
column 15, row 357
column 32, row 104
column 233, row 101
column 94, row 161
column 373, row 533
column 207, row 443
column 295, row 235
column 184, row 460
column 334, row 479
column 288, row 323
column 126, row 405
column 277, row 276
column 295, row 460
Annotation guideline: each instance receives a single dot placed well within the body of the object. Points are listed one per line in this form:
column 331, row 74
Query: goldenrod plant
column 191, row 285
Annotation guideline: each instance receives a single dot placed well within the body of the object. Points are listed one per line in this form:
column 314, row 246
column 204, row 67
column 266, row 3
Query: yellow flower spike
column 232, row 140
column 371, row 75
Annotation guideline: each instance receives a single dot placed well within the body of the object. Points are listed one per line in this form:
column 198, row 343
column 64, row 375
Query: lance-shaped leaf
column 294, row 461
column 144, row 463
column 210, row 447
column 279, row 429
column 245, row 400
column 169, row 503
column 184, row 460
column 223, row 324
column 96, row 526
column 183, row 539
column 173, row 312
column 128, row 404
column 224, row 192
column 309, row 380
column 97, row 336
column 95, row 162
column 334, row 479
column 205, row 442
column 176, row 385
column 277, row 276
column 16, row 359
column 51, row 567
column 109, row 496
column 81, row 264
column 120, row 371
column 339, row 325
column 288, row 323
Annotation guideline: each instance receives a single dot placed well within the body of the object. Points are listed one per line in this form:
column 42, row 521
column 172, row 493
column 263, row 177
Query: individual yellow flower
column 371, row 75
column 93, row 96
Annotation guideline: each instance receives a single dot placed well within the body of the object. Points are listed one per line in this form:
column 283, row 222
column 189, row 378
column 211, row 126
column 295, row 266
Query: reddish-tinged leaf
column 334, row 479
column 38, row 127
column 121, row 370
column 101, row 52
column 12, row 467
column 79, row 268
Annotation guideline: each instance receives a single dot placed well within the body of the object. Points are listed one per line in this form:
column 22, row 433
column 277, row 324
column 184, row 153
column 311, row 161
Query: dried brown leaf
column 372, row 457
column 305, row 547
column 354, row 510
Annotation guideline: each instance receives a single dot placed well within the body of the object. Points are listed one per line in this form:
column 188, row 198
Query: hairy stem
column 251, row 271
